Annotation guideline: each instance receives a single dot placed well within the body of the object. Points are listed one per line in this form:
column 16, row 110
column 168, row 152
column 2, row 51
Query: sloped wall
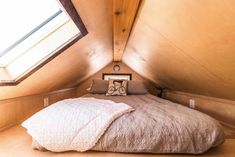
column 82, row 88
column 185, row 45
column 81, row 60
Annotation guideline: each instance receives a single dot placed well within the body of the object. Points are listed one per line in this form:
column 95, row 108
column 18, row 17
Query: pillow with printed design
column 117, row 87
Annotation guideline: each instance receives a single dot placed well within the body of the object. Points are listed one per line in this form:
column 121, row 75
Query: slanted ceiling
column 84, row 58
column 184, row 45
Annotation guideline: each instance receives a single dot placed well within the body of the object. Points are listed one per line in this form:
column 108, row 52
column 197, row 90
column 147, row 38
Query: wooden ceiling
column 186, row 45
column 124, row 12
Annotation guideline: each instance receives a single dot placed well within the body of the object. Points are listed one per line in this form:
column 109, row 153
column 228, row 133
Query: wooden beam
column 124, row 12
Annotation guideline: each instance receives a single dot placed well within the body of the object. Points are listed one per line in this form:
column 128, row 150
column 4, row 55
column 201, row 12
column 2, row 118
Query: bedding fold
column 159, row 126
column 74, row 124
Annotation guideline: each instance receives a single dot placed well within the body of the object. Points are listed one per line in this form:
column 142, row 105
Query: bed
column 155, row 125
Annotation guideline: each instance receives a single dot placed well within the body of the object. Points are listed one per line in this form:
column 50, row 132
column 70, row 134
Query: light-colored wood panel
column 82, row 88
column 160, row 61
column 124, row 13
column 185, row 45
column 84, row 58
column 16, row 142
column 220, row 109
column 205, row 31
column 13, row 111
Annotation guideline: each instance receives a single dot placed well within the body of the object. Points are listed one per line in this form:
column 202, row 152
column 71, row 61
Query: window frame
column 129, row 75
column 71, row 11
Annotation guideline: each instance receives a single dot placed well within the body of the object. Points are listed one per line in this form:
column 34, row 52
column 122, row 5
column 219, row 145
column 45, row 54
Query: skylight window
column 24, row 19
column 33, row 31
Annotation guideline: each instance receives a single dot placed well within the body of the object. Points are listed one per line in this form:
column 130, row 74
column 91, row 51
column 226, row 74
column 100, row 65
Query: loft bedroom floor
column 15, row 142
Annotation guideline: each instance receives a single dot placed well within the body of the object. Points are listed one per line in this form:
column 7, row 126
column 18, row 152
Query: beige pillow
column 99, row 86
column 117, row 87
column 136, row 87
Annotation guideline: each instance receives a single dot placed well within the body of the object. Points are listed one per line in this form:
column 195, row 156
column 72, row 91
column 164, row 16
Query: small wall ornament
column 116, row 67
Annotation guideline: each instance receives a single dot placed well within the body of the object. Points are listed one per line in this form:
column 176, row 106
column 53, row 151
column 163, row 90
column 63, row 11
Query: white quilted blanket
column 74, row 124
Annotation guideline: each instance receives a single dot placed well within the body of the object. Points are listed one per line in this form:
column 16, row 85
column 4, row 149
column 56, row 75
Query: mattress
column 158, row 126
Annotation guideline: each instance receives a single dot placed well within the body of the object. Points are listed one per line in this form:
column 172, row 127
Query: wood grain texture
column 220, row 109
column 185, row 45
column 81, row 60
column 82, row 88
column 13, row 111
column 15, row 142
column 124, row 13
column 69, row 8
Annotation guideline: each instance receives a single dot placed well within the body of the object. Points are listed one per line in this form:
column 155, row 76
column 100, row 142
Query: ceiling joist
column 124, row 12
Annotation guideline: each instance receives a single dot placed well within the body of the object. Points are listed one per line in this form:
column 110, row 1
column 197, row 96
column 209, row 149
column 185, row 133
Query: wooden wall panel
column 81, row 90
column 15, row 110
column 81, row 60
column 185, row 45
column 220, row 109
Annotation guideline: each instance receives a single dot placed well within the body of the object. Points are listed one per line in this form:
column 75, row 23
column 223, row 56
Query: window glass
column 31, row 32
column 18, row 18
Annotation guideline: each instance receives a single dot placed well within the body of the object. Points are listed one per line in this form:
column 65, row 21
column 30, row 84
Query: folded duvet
column 73, row 124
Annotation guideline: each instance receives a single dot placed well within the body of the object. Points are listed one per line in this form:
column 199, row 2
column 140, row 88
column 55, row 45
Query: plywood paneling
column 13, row 111
column 220, row 109
column 185, row 45
column 81, row 60
column 81, row 89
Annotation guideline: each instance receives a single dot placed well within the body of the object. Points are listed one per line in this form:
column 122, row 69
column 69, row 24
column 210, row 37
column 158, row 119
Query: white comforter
column 74, row 124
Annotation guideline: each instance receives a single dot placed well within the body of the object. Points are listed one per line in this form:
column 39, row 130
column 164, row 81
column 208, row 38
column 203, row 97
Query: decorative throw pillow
column 136, row 87
column 99, row 86
column 117, row 87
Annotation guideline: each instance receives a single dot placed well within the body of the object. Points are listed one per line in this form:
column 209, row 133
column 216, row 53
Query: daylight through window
column 31, row 31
